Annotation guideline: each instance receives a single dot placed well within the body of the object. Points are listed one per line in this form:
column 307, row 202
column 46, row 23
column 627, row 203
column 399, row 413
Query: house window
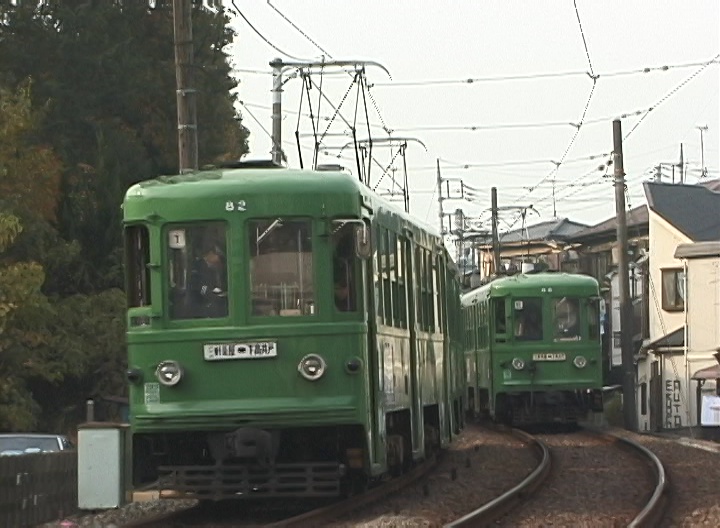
column 673, row 289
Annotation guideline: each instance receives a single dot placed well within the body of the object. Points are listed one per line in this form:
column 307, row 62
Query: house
column 684, row 303
column 542, row 243
column 594, row 252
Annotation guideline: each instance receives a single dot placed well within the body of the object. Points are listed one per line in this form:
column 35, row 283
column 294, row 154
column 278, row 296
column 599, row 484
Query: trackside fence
column 37, row 488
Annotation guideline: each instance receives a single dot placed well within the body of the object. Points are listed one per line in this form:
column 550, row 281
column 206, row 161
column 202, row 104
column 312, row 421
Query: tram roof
column 532, row 284
column 263, row 179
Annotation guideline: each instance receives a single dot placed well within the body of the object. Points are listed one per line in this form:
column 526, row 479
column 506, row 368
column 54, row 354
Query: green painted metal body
column 400, row 368
column 489, row 352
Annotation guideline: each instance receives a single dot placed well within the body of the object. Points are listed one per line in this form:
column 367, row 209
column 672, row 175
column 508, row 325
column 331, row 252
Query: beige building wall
column 676, row 394
column 664, row 239
column 703, row 320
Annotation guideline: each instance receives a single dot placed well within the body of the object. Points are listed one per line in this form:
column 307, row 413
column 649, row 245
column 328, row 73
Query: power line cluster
column 563, row 190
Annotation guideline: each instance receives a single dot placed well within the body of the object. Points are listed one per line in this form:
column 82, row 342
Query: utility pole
column 460, row 232
column 495, row 239
column 440, row 198
column 277, row 67
column 626, row 330
column 186, row 109
column 681, row 166
column 703, row 172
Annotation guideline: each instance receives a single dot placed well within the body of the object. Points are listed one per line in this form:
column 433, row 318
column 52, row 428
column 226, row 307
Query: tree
column 106, row 75
column 88, row 109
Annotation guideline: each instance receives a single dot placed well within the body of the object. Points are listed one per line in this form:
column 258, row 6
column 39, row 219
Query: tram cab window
column 281, row 267
column 197, row 271
column 566, row 319
column 528, row 320
column 594, row 319
column 344, row 267
column 500, row 318
column 137, row 257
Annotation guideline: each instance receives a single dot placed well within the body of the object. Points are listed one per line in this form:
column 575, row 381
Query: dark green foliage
column 102, row 84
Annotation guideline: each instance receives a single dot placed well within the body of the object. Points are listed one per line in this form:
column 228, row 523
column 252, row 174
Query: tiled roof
column 557, row 229
column 636, row 217
column 673, row 339
column 693, row 209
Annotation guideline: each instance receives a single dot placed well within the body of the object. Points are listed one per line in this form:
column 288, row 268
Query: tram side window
column 344, row 268
column 566, row 322
column 378, row 261
column 500, row 318
column 281, row 267
column 387, row 261
column 441, row 293
column 197, row 271
column 137, row 257
column 528, row 320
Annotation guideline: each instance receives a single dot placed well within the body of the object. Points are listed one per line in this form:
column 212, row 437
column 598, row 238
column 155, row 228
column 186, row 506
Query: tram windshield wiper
column 276, row 223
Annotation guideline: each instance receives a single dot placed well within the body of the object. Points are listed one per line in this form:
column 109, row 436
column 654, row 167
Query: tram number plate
column 221, row 351
column 559, row 356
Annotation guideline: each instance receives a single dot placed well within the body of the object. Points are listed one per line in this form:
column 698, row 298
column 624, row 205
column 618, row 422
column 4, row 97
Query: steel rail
column 652, row 513
column 494, row 509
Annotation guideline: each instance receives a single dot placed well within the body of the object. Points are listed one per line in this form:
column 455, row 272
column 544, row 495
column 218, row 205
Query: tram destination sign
column 549, row 356
column 222, row 351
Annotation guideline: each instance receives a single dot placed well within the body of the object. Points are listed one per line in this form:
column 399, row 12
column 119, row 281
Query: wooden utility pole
column 626, row 323
column 186, row 109
column 495, row 239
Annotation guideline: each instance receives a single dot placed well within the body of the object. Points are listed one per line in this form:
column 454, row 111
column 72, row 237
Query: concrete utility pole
column 681, row 166
column 460, row 231
column 703, row 172
column 626, row 329
column 495, row 239
column 277, row 68
column 186, row 110
column 440, row 198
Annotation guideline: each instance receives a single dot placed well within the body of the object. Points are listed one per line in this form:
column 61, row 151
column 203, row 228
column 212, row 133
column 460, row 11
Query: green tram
column 290, row 333
column 533, row 348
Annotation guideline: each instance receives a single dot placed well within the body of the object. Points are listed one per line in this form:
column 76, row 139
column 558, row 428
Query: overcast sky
column 524, row 124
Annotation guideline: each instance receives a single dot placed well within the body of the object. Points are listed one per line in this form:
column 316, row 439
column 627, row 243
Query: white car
column 27, row 443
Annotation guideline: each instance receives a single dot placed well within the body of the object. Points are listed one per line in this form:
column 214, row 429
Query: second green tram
column 533, row 348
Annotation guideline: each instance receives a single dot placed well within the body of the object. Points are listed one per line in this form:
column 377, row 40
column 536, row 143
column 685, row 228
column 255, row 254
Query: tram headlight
column 580, row 361
column 518, row 364
column 312, row 367
column 169, row 373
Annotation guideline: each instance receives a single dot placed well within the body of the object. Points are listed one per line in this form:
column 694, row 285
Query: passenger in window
column 208, row 284
column 529, row 326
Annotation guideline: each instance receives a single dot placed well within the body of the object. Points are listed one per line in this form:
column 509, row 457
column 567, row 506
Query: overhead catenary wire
column 265, row 39
column 298, row 29
column 582, row 33
column 540, row 124
column 543, row 75
column 672, row 92
column 304, row 34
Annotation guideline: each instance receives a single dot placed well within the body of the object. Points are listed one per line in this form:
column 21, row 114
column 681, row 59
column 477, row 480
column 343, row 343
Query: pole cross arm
column 325, row 64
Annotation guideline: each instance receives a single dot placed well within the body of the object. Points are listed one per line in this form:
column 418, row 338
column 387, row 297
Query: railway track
column 584, row 477
column 597, row 479
column 270, row 516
